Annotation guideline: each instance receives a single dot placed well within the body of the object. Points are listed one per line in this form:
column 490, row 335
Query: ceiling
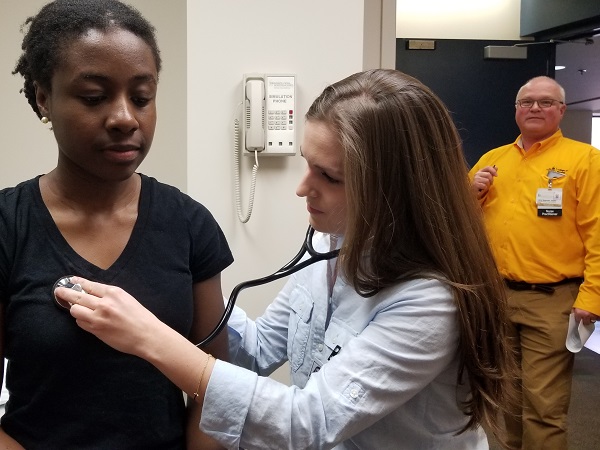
column 581, row 76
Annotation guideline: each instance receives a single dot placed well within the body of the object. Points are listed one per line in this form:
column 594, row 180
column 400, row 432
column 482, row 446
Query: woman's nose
column 304, row 187
column 122, row 116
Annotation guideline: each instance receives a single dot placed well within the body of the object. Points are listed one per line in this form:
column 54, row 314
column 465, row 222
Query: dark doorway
column 480, row 93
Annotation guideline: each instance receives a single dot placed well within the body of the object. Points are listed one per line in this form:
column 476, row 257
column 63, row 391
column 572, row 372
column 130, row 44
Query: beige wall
column 320, row 42
column 259, row 36
column 29, row 149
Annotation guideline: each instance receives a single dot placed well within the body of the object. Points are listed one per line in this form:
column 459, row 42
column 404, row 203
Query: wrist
column 154, row 346
column 201, row 387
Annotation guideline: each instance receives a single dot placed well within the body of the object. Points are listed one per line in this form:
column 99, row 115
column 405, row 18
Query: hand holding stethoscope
column 65, row 282
column 291, row 267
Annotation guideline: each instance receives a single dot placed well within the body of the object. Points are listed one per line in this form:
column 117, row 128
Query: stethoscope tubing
column 290, row 268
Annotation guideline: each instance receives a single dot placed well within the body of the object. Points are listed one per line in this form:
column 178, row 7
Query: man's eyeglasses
column 543, row 103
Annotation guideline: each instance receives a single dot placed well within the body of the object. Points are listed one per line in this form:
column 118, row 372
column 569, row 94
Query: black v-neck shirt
column 67, row 388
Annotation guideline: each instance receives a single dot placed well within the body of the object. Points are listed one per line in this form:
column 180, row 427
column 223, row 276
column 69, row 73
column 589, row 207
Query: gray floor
column 584, row 411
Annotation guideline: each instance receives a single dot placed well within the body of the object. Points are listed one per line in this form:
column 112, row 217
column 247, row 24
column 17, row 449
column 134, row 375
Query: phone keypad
column 280, row 119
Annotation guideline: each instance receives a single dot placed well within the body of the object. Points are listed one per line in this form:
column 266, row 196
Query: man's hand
column 483, row 179
column 584, row 316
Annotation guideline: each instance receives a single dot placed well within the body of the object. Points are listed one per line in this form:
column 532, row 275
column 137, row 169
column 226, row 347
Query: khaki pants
column 539, row 324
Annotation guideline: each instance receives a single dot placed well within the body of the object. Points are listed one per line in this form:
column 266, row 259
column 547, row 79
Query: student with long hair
column 397, row 343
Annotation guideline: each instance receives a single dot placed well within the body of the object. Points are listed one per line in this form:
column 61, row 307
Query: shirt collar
column 541, row 145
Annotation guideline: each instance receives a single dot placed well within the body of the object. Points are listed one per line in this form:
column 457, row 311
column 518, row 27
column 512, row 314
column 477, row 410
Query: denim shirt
column 381, row 375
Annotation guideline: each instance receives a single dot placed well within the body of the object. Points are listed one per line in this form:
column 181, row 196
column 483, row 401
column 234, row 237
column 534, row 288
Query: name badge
column 549, row 202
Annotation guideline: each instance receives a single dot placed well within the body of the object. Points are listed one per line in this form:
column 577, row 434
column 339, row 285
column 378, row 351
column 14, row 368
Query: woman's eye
column 92, row 100
column 329, row 179
column 140, row 101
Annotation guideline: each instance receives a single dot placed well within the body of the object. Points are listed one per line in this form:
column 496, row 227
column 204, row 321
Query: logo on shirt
column 555, row 172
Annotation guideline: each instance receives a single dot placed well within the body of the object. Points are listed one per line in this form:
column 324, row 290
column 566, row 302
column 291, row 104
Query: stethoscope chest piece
column 65, row 282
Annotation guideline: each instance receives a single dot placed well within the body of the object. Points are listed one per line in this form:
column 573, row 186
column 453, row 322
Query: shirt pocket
column 299, row 329
column 556, row 182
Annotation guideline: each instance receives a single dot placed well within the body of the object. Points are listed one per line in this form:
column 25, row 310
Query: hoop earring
column 44, row 120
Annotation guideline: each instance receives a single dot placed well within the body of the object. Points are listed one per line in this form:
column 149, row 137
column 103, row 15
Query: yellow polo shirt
column 537, row 249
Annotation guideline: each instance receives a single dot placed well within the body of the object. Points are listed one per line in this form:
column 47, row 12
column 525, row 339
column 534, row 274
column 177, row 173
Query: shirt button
column 320, row 347
column 353, row 393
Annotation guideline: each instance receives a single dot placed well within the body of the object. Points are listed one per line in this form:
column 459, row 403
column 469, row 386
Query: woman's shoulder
column 151, row 183
column 20, row 195
column 427, row 291
column 20, row 187
column 163, row 195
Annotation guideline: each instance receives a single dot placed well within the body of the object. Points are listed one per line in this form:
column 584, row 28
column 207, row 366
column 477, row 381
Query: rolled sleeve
column 230, row 389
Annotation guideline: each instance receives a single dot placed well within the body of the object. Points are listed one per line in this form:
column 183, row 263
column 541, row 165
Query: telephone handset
column 254, row 115
column 269, row 114
column 268, row 126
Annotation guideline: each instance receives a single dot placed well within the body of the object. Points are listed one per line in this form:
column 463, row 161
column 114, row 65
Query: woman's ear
column 42, row 100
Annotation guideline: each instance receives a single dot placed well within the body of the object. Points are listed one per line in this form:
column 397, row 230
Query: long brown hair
column 411, row 213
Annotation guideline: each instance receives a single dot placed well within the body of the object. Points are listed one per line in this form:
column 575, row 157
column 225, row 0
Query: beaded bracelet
column 202, row 375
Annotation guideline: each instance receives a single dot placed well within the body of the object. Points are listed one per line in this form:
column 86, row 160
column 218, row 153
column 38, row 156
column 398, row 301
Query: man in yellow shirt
column 540, row 197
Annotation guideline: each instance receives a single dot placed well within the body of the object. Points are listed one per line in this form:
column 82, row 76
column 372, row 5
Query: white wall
column 596, row 131
column 458, row 19
column 226, row 40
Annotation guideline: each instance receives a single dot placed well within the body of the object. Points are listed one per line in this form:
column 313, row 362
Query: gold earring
column 44, row 120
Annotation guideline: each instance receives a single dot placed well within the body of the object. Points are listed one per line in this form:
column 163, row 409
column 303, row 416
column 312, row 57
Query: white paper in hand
column 578, row 334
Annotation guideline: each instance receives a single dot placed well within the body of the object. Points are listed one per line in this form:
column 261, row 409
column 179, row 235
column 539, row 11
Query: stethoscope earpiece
column 65, row 282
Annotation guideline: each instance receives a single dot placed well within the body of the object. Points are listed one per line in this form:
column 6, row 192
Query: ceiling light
column 559, row 67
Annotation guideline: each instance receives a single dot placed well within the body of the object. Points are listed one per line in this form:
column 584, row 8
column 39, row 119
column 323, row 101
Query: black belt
column 542, row 287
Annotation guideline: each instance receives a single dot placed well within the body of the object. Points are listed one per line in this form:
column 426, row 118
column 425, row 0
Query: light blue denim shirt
column 381, row 375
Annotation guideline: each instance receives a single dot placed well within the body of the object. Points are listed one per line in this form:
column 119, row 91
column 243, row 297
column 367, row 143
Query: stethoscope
column 291, row 267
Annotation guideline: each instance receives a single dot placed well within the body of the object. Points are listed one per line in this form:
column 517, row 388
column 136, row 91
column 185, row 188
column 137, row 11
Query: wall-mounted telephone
column 269, row 123
column 268, row 126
